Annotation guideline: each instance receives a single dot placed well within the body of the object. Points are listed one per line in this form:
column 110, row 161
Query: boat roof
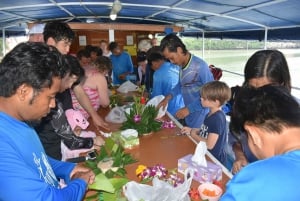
column 241, row 19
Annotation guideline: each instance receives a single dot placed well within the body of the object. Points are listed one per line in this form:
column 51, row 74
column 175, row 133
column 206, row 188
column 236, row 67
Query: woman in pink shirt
column 95, row 85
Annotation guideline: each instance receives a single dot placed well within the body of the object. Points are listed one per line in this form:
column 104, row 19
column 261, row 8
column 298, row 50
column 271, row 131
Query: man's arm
column 61, row 169
column 240, row 158
column 26, row 180
column 130, row 64
column 129, row 68
column 85, row 102
column 68, row 171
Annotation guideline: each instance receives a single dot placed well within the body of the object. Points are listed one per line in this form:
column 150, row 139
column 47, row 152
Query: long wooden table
column 163, row 147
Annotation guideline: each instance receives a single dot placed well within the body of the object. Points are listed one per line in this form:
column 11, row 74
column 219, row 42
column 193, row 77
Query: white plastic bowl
column 210, row 187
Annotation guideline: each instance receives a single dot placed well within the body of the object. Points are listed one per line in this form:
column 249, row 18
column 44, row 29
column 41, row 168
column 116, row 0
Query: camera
column 91, row 155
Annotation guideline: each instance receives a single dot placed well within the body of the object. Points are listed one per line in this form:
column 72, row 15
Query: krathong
column 146, row 174
column 141, row 117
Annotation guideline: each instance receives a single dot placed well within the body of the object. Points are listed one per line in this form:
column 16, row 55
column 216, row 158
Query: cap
column 37, row 29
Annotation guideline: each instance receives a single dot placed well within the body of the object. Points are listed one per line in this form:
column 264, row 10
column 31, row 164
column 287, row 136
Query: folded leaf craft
column 109, row 167
column 142, row 118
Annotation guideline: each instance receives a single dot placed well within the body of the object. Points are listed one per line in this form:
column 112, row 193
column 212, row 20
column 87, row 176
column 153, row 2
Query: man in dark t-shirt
column 54, row 128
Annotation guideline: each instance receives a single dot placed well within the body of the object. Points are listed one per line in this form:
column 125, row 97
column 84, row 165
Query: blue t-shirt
column 27, row 173
column 149, row 78
column 216, row 123
column 164, row 80
column 192, row 77
column 273, row 179
column 121, row 64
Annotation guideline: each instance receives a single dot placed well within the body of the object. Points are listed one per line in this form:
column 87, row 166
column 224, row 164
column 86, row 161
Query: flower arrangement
column 146, row 174
column 142, row 117
column 109, row 168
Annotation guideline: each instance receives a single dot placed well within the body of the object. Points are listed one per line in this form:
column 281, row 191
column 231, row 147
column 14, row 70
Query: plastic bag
column 155, row 101
column 160, row 190
column 116, row 115
column 68, row 153
column 127, row 87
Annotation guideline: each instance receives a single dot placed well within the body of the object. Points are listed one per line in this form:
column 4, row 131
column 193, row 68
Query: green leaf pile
column 109, row 184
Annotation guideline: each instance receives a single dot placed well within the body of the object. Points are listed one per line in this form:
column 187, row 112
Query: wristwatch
column 91, row 155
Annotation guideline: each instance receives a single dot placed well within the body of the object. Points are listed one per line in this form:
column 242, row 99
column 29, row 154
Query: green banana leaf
column 102, row 183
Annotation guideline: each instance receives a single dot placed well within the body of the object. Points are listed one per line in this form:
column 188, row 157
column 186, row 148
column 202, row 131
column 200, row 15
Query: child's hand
column 186, row 130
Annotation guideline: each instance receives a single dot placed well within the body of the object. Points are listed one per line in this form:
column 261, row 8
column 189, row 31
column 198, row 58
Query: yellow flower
column 140, row 169
column 113, row 91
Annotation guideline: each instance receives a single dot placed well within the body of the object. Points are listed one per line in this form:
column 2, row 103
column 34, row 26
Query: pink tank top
column 93, row 96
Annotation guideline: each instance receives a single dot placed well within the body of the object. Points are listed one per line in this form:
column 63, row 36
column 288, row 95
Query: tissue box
column 126, row 143
column 212, row 172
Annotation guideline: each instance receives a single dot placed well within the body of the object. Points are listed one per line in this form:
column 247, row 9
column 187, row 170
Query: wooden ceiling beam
column 124, row 27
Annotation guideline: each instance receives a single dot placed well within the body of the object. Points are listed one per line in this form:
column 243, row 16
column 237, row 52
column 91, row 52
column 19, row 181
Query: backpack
column 217, row 72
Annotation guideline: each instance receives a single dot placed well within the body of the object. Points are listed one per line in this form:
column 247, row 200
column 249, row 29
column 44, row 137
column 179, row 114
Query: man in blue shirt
column 193, row 74
column 30, row 77
column 165, row 78
column 122, row 63
column 270, row 117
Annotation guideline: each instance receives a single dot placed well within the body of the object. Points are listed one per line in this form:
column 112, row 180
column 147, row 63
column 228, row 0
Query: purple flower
column 137, row 118
column 168, row 124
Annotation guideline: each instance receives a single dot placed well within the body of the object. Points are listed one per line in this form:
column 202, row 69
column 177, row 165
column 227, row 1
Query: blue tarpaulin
column 245, row 19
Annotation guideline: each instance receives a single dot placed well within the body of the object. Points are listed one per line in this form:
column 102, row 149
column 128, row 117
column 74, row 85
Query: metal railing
column 295, row 90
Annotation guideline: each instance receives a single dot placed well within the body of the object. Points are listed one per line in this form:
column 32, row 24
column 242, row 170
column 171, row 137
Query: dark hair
column 152, row 50
column 269, row 107
column 83, row 53
column 91, row 48
column 74, row 68
column 216, row 90
column 141, row 56
column 30, row 63
column 58, row 31
column 103, row 63
column 97, row 50
column 88, row 48
column 268, row 63
column 155, row 56
column 172, row 42
column 112, row 46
